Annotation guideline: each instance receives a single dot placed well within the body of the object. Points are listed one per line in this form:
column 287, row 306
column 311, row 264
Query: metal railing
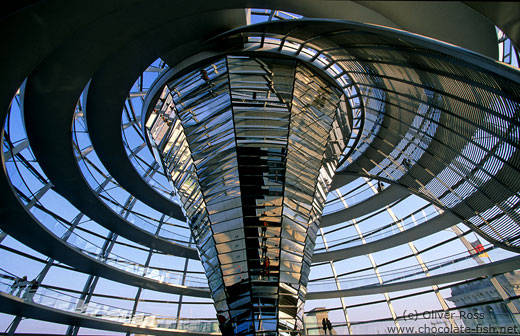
column 31, row 291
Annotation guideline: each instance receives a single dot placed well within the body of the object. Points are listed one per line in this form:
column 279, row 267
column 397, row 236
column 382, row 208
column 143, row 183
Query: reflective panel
column 252, row 145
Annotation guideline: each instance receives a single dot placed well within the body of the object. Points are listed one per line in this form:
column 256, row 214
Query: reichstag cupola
column 260, row 168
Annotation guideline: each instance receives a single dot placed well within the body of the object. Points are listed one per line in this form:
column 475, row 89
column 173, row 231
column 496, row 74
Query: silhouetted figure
column 380, row 186
column 204, row 75
column 324, row 324
column 329, row 326
column 264, row 229
column 264, row 251
column 19, row 284
column 267, row 263
column 32, row 289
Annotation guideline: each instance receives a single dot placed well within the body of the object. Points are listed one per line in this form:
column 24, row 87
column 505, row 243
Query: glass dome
column 217, row 169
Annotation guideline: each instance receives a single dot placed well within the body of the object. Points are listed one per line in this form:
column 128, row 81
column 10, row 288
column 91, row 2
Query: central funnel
column 251, row 145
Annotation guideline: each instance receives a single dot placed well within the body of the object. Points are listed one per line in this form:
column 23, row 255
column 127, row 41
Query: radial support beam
column 8, row 154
